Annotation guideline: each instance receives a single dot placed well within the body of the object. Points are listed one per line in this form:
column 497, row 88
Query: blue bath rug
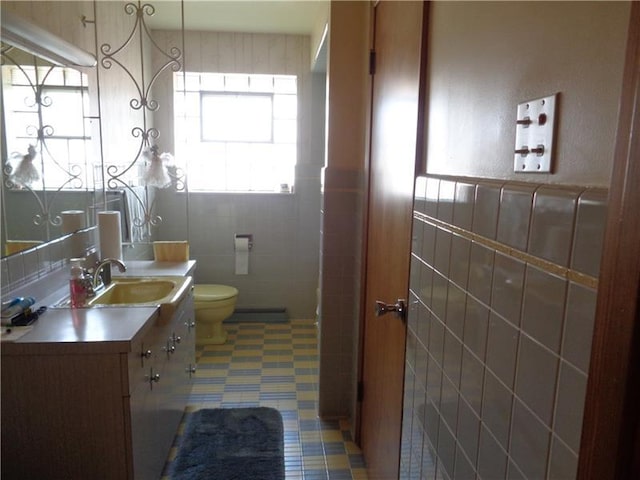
column 231, row 444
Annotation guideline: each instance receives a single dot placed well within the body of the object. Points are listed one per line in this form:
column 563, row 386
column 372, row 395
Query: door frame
column 610, row 444
column 357, row 423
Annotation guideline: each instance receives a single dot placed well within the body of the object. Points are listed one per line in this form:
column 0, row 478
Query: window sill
column 219, row 192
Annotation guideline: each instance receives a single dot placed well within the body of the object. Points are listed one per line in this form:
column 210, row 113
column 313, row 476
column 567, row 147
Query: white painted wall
column 486, row 57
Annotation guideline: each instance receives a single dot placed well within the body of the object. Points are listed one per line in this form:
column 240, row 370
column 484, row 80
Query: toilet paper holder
column 249, row 236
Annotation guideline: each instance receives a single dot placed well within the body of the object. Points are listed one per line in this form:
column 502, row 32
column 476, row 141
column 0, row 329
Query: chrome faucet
column 107, row 278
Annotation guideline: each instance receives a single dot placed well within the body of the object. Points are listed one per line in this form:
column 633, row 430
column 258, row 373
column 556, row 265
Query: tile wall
column 23, row 269
column 340, row 262
column 503, row 294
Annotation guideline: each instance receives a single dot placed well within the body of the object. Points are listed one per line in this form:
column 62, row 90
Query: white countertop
column 75, row 330
column 92, row 330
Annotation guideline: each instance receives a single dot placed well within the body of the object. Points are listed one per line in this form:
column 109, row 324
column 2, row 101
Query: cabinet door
column 187, row 327
column 146, row 373
column 160, row 385
column 176, row 385
column 63, row 417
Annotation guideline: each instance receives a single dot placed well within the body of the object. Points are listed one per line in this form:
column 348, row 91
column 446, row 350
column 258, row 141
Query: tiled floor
column 276, row 365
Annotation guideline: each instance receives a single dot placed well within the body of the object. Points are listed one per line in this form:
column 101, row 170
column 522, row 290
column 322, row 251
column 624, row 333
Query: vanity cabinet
column 104, row 409
column 160, row 379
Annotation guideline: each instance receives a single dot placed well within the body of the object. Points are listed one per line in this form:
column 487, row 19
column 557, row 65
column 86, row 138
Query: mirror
column 48, row 160
column 47, row 165
column 50, row 165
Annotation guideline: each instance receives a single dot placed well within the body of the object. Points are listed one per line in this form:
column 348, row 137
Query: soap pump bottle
column 77, row 284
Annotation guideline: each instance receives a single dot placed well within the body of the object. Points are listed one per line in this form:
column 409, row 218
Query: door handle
column 400, row 308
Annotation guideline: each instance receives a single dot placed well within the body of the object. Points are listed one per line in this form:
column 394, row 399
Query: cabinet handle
column 177, row 339
column 146, row 354
column 152, row 377
column 169, row 348
column 190, row 325
column 191, row 369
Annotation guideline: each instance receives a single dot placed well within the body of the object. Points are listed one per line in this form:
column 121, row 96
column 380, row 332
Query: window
column 236, row 132
column 61, row 114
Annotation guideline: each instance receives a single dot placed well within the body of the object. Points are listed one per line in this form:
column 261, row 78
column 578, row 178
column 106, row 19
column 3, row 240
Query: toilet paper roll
column 242, row 255
column 110, row 234
column 73, row 220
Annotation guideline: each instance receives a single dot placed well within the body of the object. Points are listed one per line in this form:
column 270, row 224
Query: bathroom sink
column 165, row 292
column 135, row 292
column 141, row 291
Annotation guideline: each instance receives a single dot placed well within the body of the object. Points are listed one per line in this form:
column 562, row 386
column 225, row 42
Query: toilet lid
column 211, row 293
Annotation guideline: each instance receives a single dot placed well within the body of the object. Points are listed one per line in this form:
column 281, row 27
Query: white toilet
column 213, row 304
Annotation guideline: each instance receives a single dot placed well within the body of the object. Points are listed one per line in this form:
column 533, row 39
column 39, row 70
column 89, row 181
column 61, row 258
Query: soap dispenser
column 78, row 292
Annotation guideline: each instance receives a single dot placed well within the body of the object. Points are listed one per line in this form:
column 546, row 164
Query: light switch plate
column 534, row 135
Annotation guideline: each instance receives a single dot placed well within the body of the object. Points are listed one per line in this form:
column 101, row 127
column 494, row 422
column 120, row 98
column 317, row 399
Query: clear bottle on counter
column 77, row 284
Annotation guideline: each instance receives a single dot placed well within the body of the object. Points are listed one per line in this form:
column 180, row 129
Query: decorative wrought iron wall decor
column 34, row 97
column 159, row 172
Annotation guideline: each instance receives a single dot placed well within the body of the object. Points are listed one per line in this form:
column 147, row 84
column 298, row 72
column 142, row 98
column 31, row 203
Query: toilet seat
column 213, row 293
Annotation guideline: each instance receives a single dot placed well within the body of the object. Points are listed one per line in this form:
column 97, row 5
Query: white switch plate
column 538, row 134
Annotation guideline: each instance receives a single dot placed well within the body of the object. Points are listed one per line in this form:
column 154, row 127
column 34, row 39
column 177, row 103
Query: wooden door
column 398, row 44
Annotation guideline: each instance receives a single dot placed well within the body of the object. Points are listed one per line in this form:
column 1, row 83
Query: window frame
column 191, row 140
column 36, row 81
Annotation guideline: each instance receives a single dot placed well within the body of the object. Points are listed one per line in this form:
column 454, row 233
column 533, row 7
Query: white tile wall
column 499, row 337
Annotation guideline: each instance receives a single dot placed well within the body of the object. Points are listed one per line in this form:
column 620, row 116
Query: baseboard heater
column 265, row 315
